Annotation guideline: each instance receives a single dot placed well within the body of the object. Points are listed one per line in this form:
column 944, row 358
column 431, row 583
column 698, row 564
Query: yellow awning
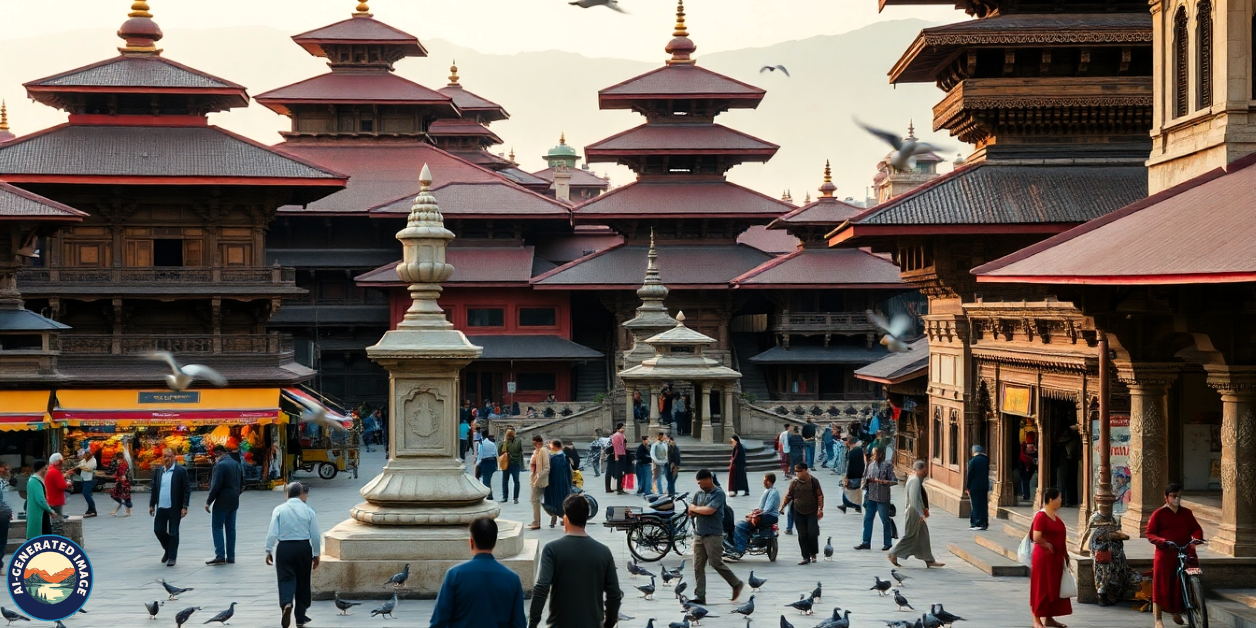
column 163, row 407
column 23, row 410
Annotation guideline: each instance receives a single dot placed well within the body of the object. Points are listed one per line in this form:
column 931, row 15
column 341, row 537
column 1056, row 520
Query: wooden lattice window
column 1180, row 64
column 1203, row 35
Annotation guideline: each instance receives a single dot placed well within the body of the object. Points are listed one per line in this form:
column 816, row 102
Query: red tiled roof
column 1202, row 231
column 679, row 139
column 822, row 211
column 579, row 178
column 359, row 29
column 682, row 199
column 18, row 204
column 473, row 266
column 136, row 75
column 682, row 266
column 454, row 127
column 775, row 241
column 368, row 87
column 488, row 160
column 488, row 110
column 823, row 268
column 384, row 175
column 680, row 81
column 499, row 199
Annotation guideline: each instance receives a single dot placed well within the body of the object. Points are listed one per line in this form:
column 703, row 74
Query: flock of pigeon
column 10, row 617
column 694, row 614
column 385, row 610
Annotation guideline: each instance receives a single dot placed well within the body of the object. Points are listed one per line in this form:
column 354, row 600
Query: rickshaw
column 329, row 451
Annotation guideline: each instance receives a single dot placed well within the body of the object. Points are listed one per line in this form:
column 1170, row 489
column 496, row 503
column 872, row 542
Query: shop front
column 142, row 424
column 24, row 428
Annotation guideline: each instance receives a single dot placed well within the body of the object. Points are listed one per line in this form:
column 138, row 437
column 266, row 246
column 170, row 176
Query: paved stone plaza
column 124, row 554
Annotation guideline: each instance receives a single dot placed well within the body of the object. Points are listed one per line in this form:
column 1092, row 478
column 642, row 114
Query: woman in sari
column 121, row 491
column 559, row 482
column 1049, row 562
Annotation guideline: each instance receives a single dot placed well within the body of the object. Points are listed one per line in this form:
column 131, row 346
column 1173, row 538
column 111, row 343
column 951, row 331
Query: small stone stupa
column 417, row 510
column 652, row 317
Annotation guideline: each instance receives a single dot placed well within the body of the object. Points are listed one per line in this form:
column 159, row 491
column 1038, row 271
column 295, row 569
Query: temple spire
column 363, row 10
column 680, row 47
column 911, row 130
column 140, row 32
column 680, row 31
column 827, row 188
column 423, row 264
column 4, row 116
column 453, row 73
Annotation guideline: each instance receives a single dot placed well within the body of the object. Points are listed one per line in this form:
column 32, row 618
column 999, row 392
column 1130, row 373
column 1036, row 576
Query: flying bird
column 153, row 608
column 183, row 616
column 638, row 570
column 610, row 4
column 174, row 591
column 943, row 615
column 345, row 606
column 647, row 590
column 386, row 608
column 828, row 549
column 746, row 609
column 398, row 581
column 898, row 576
column 222, row 617
column 895, row 330
column 182, row 376
column 901, row 601
column 803, row 605
column 11, row 617
column 905, row 150
column 317, row 414
column 773, row 68
column 882, row 587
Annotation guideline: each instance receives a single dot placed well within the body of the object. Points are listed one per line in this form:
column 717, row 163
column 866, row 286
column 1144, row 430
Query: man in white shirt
column 783, row 439
column 293, row 545
column 487, row 460
column 658, row 455
column 86, row 472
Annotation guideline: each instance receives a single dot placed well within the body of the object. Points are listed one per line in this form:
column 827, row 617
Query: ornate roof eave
column 664, row 368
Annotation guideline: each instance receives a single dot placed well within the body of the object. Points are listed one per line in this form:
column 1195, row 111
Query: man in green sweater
column 577, row 573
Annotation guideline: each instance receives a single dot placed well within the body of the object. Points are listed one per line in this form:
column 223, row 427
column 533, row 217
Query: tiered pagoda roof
column 469, row 137
column 18, row 204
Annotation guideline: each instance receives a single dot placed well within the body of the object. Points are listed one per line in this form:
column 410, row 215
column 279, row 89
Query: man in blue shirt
column 480, row 593
column 293, row 545
column 766, row 514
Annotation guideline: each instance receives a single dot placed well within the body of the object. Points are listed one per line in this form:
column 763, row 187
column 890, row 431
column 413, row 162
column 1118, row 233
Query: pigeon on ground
column 754, row 582
column 696, row 614
column 843, row 622
column 785, row 623
column 680, row 588
column 650, row 624
column 638, row 570
column 828, row 622
column 647, row 590
column 58, row 624
column 314, row 413
column 174, row 591
column 899, row 624
column 882, row 587
column 815, row 593
column 943, row 616
column 673, row 574
column 11, row 616
column 398, row 581
column 153, row 608
column 610, row 4
column 746, row 609
column 905, row 150
column 929, row 620
column 222, row 617
column 773, row 68
column 803, row 605
column 623, row 617
column 182, row 376
column 679, row 624
column 345, row 606
column 895, row 330
column 386, row 609
column 828, row 549
column 899, row 577
column 901, row 601
column 183, row 615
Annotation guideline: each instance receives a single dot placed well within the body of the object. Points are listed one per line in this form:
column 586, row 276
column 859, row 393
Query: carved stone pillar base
column 1237, row 533
column 1149, row 445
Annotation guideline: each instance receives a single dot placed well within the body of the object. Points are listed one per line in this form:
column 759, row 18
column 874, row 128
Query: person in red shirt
column 619, row 449
column 57, row 484
column 1170, row 522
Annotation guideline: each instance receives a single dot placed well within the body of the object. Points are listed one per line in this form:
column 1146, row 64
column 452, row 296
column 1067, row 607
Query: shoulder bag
column 1068, row 582
column 1025, row 552
column 503, row 461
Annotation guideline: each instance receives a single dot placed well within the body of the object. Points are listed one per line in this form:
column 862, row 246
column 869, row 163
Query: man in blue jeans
column 769, row 506
column 222, row 503
column 642, row 457
column 879, row 477
column 854, row 473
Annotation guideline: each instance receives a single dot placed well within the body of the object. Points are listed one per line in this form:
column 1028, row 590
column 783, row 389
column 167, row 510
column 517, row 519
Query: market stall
column 313, row 447
column 24, row 428
column 144, row 423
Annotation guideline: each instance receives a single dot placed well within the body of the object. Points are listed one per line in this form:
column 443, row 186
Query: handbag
column 892, row 510
column 1068, row 583
column 629, row 480
column 1025, row 552
column 503, row 461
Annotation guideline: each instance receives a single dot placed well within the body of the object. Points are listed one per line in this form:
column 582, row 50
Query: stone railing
column 764, row 419
column 208, row 344
column 575, row 420
column 33, row 278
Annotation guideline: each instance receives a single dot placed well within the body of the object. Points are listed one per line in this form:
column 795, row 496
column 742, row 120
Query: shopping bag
column 1025, row 553
column 629, row 481
column 1068, row 583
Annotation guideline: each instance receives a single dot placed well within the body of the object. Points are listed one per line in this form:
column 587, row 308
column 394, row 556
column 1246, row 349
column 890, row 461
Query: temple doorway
column 1065, row 457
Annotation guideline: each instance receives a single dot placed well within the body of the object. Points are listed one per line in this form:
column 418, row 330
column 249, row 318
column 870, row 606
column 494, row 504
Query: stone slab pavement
column 125, row 556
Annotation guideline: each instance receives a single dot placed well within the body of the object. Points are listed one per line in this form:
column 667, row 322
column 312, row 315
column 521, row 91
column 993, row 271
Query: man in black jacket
column 854, row 474
column 673, row 464
column 168, row 504
column 977, row 485
column 224, row 497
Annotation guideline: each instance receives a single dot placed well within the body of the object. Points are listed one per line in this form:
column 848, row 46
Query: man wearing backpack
column 808, row 509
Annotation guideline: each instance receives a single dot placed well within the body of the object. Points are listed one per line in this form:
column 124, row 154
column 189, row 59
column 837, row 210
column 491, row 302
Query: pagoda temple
column 1057, row 104
column 567, row 182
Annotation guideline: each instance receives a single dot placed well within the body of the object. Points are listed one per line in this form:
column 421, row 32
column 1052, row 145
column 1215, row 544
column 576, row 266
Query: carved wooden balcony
column 159, row 281
column 827, row 324
column 74, row 345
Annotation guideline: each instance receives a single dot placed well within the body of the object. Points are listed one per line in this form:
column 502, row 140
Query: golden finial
column 364, row 10
column 453, row 73
column 562, row 138
column 828, row 172
column 827, row 189
column 807, row 199
column 139, row 8
column 680, row 20
column 512, row 155
column 4, row 116
column 911, row 129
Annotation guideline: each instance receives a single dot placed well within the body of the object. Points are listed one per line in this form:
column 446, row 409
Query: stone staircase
column 994, row 551
column 696, row 455
column 753, row 381
column 590, row 376
column 1232, row 608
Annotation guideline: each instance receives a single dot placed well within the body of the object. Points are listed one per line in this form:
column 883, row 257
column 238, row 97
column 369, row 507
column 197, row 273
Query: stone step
column 1021, row 519
column 986, row 560
column 1246, row 597
column 1225, row 613
column 998, row 544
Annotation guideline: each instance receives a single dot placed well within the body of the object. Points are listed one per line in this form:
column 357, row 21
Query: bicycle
column 1194, row 606
column 651, row 534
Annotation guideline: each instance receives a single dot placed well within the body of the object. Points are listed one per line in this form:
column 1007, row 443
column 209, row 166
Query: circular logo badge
column 49, row 577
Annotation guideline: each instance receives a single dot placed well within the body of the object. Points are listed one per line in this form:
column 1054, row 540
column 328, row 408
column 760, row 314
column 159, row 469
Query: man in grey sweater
column 577, row 576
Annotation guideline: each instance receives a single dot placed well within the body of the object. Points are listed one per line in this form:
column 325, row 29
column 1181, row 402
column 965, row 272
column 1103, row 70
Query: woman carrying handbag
column 1049, row 577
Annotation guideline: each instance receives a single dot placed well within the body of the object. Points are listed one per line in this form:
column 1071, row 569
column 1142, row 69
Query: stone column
column 708, row 432
column 1237, row 385
column 416, row 511
column 697, row 411
column 1149, row 446
column 727, row 410
column 1086, row 475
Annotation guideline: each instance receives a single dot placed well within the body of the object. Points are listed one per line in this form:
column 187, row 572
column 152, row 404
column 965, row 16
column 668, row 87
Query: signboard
column 170, row 397
column 510, row 388
column 1120, row 461
column 1018, row 400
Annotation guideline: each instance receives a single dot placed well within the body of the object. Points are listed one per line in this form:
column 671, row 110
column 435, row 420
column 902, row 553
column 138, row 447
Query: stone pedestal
column 1237, row 533
column 1149, row 445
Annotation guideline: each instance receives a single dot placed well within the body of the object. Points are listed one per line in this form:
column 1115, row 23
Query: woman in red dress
column 1170, row 522
column 1050, row 558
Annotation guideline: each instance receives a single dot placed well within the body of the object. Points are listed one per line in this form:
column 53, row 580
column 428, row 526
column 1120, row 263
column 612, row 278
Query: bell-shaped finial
column 827, row 188
column 680, row 47
column 453, row 73
column 423, row 265
column 4, row 116
column 363, row 10
column 139, row 9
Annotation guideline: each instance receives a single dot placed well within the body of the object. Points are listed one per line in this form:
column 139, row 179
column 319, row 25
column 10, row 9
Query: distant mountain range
column 37, row 576
column 809, row 115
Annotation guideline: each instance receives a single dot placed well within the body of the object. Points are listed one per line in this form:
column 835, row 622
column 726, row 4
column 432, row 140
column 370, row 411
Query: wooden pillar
column 1237, row 533
column 1085, row 476
column 1149, row 446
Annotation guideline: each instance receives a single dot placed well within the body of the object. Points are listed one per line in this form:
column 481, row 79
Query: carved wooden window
column 1203, row 35
column 1180, row 63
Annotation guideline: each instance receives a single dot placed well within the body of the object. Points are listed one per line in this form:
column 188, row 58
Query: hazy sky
column 492, row 26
